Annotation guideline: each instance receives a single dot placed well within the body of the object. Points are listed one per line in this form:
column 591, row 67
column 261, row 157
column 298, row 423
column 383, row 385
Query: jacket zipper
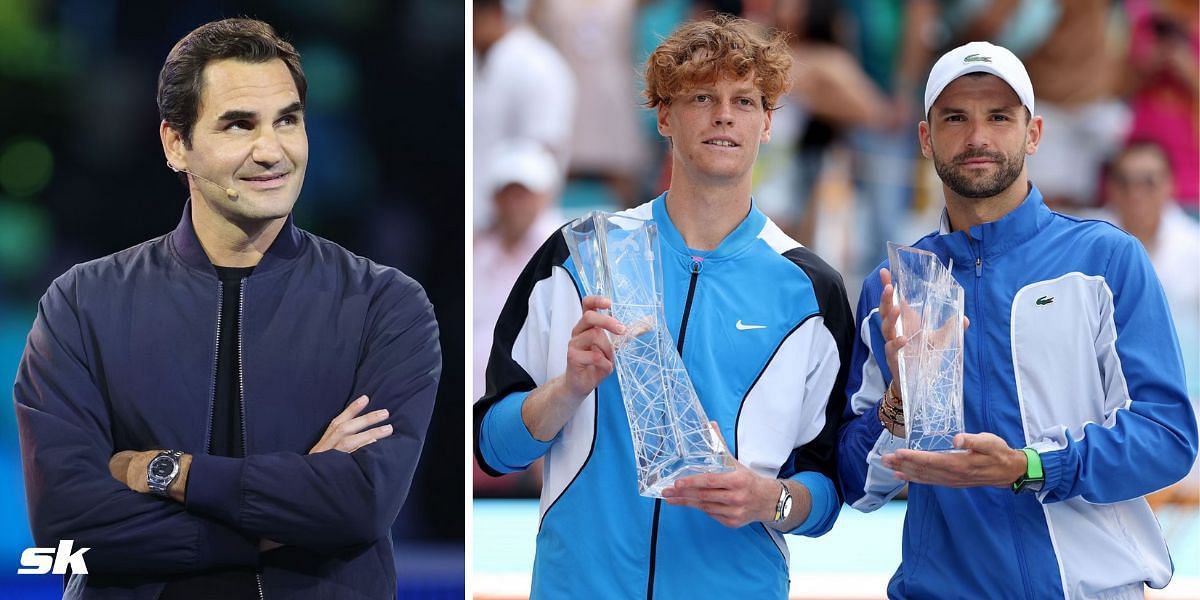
column 212, row 391
column 697, row 264
column 242, row 394
column 1012, row 517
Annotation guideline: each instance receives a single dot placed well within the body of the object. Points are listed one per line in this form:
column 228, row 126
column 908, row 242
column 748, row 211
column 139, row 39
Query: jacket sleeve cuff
column 215, row 487
column 825, row 504
column 505, row 442
column 226, row 546
column 1053, row 470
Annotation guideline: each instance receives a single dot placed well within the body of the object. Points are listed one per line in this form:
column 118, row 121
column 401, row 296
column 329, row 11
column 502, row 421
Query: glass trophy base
column 933, row 442
column 670, row 472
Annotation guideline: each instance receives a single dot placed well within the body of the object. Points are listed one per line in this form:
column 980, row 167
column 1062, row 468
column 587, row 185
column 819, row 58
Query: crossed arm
column 346, row 433
column 323, row 501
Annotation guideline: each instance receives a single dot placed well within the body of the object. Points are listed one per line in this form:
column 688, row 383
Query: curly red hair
column 702, row 52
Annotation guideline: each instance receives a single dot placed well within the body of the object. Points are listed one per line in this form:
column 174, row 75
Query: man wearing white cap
column 523, row 178
column 1072, row 377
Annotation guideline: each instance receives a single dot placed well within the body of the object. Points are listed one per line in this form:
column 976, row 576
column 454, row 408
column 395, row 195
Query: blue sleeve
column 65, row 430
column 505, row 442
column 825, row 504
column 502, row 442
column 332, row 500
column 1149, row 442
column 862, row 440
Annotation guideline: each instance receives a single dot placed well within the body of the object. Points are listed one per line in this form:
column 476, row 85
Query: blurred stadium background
column 562, row 134
column 82, row 175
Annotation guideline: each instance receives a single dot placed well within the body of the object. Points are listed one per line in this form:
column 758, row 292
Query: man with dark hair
column 1074, row 404
column 191, row 409
column 767, row 339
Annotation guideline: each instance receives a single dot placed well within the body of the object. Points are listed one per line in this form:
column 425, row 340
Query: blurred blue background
column 82, row 175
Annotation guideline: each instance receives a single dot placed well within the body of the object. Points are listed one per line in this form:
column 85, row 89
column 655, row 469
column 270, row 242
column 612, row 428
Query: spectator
column 1138, row 187
column 524, row 180
column 523, row 90
column 596, row 38
column 894, row 50
column 1163, row 88
column 1074, row 72
column 830, row 93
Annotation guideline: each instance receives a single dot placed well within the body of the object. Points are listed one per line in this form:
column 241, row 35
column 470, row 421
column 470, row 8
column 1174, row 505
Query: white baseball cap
column 524, row 162
column 979, row 57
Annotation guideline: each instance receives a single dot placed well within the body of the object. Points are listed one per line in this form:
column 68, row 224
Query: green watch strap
column 1031, row 480
column 1034, row 470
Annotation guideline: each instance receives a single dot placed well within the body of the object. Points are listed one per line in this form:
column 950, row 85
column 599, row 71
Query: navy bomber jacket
column 122, row 357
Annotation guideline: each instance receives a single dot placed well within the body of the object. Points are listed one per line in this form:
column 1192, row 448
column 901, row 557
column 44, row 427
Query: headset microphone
column 230, row 192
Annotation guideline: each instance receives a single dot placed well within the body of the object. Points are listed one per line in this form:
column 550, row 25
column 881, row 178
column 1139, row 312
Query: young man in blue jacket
column 1073, row 385
column 192, row 408
column 763, row 327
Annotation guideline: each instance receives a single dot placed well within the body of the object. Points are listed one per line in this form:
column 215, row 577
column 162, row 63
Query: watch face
column 787, row 507
column 161, row 467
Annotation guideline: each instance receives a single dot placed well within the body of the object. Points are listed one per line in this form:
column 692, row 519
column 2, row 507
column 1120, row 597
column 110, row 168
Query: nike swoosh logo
column 743, row 327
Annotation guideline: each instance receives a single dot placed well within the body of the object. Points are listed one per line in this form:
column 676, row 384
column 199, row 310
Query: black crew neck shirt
column 225, row 439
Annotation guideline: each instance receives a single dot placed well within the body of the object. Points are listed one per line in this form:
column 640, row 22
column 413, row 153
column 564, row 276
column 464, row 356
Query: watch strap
column 781, row 506
column 1034, row 474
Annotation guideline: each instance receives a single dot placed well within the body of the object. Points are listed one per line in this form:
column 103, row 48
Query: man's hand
column 348, row 432
column 891, row 313
column 988, row 461
column 589, row 353
column 734, row 499
column 130, row 467
column 589, row 361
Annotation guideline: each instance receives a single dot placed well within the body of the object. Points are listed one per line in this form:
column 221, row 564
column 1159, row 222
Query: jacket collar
column 187, row 246
column 737, row 240
column 988, row 240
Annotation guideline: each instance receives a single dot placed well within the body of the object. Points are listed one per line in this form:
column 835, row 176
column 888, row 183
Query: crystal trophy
column 616, row 256
column 931, row 363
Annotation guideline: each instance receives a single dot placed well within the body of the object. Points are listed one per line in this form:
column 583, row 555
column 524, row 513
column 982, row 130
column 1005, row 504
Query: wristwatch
column 162, row 471
column 1031, row 482
column 783, row 507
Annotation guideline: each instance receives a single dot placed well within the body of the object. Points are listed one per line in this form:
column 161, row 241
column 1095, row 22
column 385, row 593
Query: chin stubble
column 955, row 175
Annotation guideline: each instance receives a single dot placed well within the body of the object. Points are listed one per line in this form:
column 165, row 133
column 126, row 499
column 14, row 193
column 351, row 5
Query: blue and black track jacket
column 764, row 329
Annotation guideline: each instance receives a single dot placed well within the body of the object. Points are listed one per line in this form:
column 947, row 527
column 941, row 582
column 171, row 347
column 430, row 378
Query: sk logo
column 1044, row 300
column 976, row 58
column 37, row 561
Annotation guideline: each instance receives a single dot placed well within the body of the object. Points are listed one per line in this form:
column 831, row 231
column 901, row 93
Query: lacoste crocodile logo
column 1044, row 300
column 743, row 327
column 977, row 58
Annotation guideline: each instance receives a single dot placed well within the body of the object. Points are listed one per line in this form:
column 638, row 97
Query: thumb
column 976, row 442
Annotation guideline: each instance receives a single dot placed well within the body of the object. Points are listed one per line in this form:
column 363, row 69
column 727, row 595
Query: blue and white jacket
column 1071, row 351
column 776, row 393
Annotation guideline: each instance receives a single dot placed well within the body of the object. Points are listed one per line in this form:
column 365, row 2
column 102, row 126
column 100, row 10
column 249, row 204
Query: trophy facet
column 931, row 363
column 617, row 257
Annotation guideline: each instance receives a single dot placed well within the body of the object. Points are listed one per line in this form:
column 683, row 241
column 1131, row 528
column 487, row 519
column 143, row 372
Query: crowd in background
column 558, row 131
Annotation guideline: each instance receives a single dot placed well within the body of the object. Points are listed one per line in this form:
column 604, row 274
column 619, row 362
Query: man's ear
column 1033, row 135
column 925, row 139
column 173, row 146
column 664, row 128
column 766, row 132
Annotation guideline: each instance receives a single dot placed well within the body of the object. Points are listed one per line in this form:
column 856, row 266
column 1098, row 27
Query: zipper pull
column 697, row 264
column 979, row 267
